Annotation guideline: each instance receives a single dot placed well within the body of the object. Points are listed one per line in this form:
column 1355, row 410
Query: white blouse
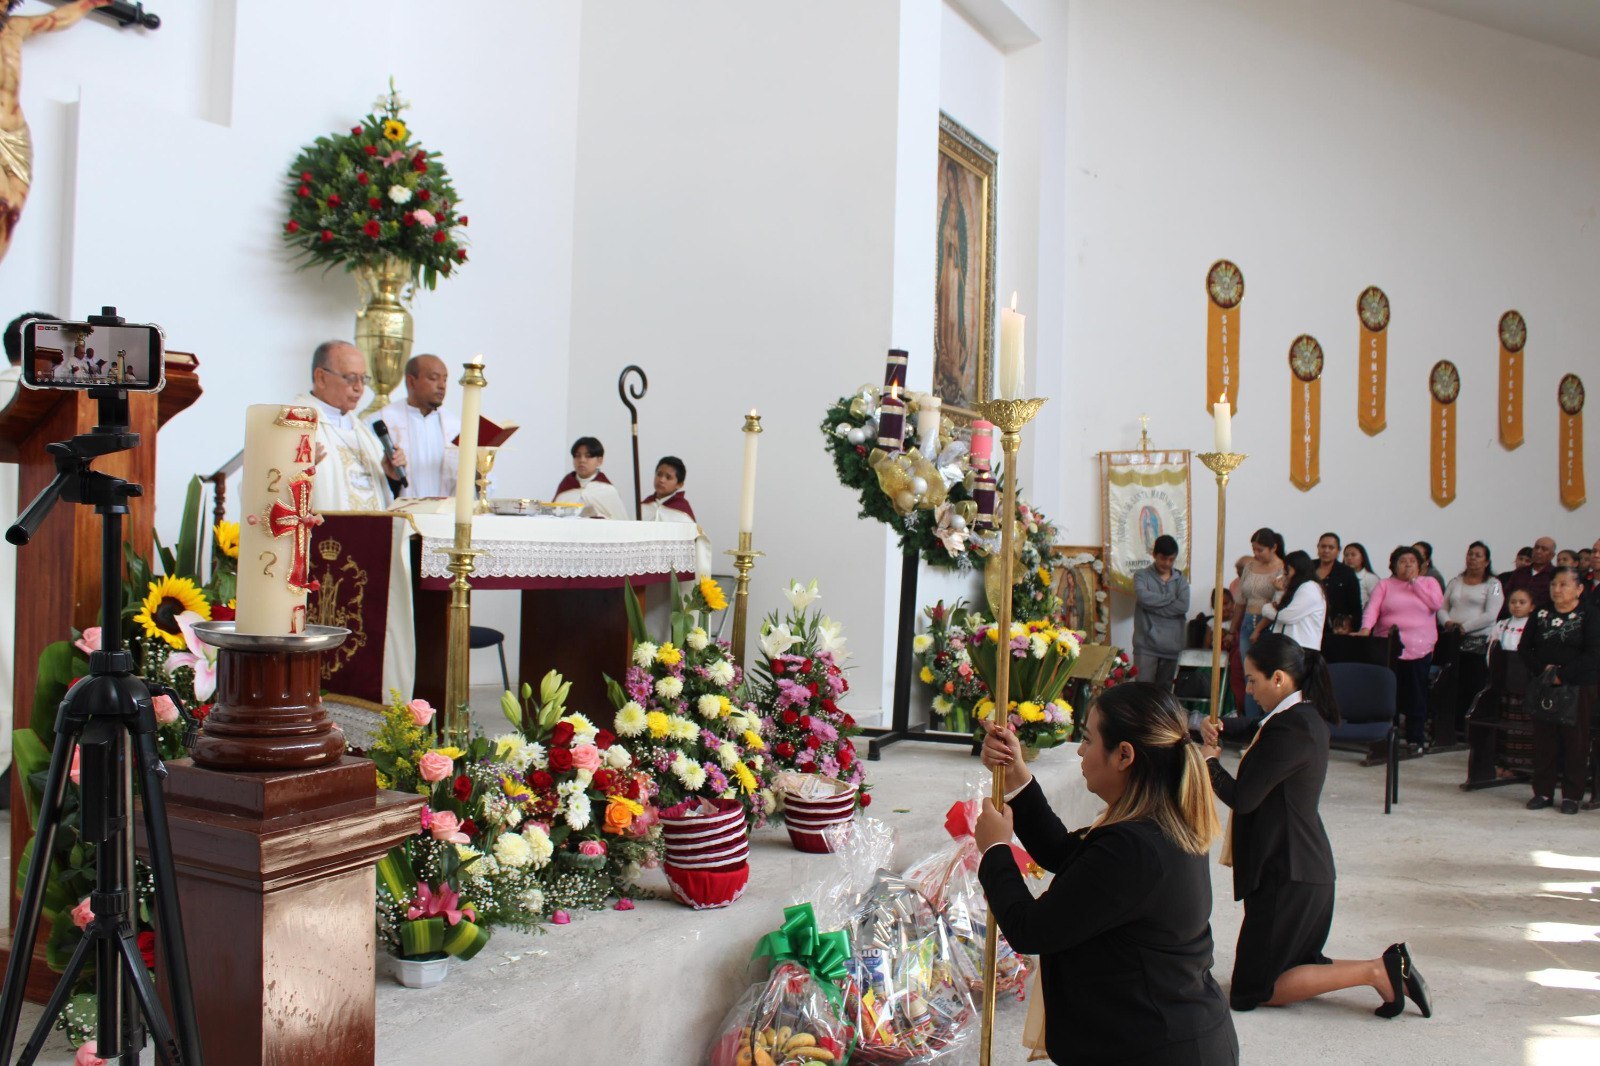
column 1302, row 618
column 1474, row 607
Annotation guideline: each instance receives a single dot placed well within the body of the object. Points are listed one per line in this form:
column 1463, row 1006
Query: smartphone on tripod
column 91, row 355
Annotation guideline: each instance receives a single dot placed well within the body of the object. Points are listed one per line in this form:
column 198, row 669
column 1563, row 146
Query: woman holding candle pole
column 1124, row 930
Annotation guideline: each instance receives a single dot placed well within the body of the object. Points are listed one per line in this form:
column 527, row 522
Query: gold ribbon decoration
column 1513, row 338
column 1444, row 383
column 1569, row 394
column 1224, row 293
column 1372, row 308
column 1305, row 412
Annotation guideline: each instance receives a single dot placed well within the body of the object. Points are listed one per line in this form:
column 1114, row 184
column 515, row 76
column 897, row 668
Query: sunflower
column 167, row 599
column 228, row 538
column 394, row 129
column 712, row 593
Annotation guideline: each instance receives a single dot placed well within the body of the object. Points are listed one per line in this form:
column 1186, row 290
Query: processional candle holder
column 744, row 560
column 458, row 662
column 1009, row 416
column 1221, row 464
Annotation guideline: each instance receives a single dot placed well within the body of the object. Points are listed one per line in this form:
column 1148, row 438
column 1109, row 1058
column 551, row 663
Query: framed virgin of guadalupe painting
column 963, row 317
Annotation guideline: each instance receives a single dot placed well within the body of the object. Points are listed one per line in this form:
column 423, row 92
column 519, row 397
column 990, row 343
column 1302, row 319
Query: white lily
column 802, row 596
column 777, row 640
column 830, row 638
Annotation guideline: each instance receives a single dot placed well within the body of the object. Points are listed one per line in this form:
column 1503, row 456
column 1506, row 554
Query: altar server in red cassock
column 668, row 503
column 586, row 484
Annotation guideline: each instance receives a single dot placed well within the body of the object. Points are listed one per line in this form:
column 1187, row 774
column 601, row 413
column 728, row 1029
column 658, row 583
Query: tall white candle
column 747, row 494
column 1222, row 413
column 1012, row 325
column 467, row 464
column 928, row 422
column 279, row 465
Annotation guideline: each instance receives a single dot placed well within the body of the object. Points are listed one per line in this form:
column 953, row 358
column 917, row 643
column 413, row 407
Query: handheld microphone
column 382, row 430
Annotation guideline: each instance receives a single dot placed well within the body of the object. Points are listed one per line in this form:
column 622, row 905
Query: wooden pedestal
column 275, row 874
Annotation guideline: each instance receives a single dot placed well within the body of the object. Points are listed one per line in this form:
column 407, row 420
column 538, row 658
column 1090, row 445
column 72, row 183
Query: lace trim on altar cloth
column 570, row 559
column 360, row 724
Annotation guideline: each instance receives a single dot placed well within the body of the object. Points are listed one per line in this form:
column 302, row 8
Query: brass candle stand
column 458, row 662
column 744, row 560
column 1008, row 416
column 485, row 463
column 1221, row 464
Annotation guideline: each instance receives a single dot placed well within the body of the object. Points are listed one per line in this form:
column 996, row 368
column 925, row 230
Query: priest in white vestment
column 586, row 484
column 352, row 475
column 424, row 430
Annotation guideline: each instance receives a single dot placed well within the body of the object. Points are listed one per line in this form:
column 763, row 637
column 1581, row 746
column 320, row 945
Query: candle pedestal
column 744, row 560
column 1009, row 416
column 274, row 840
column 457, row 716
column 1221, row 464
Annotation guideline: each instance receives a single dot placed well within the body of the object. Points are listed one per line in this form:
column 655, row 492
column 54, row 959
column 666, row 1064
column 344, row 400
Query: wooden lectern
column 58, row 576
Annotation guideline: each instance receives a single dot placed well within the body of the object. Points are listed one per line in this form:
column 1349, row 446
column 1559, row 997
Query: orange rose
column 618, row 818
column 949, row 688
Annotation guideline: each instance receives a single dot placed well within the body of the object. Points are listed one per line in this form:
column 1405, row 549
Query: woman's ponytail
column 1168, row 783
column 1305, row 666
column 1197, row 802
column 1317, row 686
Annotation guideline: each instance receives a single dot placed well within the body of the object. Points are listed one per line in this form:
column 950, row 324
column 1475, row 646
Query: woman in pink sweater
column 1408, row 604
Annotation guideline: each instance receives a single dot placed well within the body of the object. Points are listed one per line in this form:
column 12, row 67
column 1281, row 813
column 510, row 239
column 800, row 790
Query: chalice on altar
column 485, row 464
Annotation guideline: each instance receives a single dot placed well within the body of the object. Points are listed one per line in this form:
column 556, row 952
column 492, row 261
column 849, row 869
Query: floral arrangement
column 680, row 714
column 1120, row 668
column 1041, row 657
column 1033, row 595
column 945, row 664
column 358, row 198
column 797, row 684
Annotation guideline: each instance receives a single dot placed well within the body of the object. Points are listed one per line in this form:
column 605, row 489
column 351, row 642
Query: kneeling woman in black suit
column 1282, row 862
column 1124, row 930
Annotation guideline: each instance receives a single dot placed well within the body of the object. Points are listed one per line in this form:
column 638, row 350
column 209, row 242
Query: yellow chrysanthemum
column 227, row 534
column 515, row 790
column 1031, row 712
column 660, row 723
column 712, row 593
column 667, row 655
column 1044, row 575
column 985, row 708
column 451, row 753
column 994, row 634
column 394, row 129
column 753, row 741
column 727, row 706
column 926, row 675
column 747, row 780
column 167, row 598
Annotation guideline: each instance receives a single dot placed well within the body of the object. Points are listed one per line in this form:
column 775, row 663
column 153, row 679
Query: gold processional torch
column 744, row 556
column 1220, row 463
column 457, row 679
column 1009, row 416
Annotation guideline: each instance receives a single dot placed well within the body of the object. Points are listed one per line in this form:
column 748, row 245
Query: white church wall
column 1325, row 148
column 158, row 188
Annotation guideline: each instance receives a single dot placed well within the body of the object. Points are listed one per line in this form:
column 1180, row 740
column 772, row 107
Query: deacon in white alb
column 424, row 430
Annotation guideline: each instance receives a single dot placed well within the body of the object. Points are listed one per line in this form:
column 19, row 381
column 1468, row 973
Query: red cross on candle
column 296, row 522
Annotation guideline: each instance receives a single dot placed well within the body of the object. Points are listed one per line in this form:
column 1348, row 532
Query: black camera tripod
column 109, row 717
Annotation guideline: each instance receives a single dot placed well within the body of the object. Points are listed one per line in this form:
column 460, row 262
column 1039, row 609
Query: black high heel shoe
column 1416, row 986
column 1394, row 963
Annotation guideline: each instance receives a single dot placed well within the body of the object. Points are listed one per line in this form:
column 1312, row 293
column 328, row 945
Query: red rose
column 408, row 219
column 777, row 669
column 790, row 717
column 222, row 613
column 355, row 131
column 203, row 711
column 445, row 270
column 634, row 790
column 303, row 191
column 291, row 226
column 539, row 779
column 147, row 949
column 805, row 721
column 561, row 760
column 811, row 687
column 829, row 706
column 785, row 750
column 470, row 828
column 805, row 666
column 461, row 255
column 847, row 754
column 439, row 236
column 334, row 201
column 327, row 236
column 375, row 203
column 605, row 780
column 371, row 149
column 562, row 733
column 371, row 228
column 419, row 163
column 604, row 739
column 362, row 178
column 462, row 788
column 813, row 742
column 866, row 800
column 305, row 175
column 424, row 195
column 848, row 722
column 463, row 220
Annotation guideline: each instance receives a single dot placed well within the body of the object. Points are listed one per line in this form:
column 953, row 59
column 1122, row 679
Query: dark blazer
column 1277, row 831
column 1124, row 937
column 1570, row 642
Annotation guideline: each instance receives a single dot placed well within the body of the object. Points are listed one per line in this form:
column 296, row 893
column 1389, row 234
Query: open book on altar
column 491, row 434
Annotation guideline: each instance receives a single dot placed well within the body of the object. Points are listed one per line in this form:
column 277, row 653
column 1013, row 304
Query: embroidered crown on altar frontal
column 330, row 549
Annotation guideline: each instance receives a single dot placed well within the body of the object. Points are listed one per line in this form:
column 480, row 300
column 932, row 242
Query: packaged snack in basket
column 907, row 998
column 795, row 1017
column 949, row 880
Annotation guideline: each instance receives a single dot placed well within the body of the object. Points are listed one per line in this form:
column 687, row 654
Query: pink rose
column 90, row 641
column 586, row 757
column 560, row 918
column 87, row 1056
column 446, row 827
column 421, row 711
column 435, row 766
column 592, row 847
column 75, row 772
column 166, row 710
column 623, row 904
column 82, row 914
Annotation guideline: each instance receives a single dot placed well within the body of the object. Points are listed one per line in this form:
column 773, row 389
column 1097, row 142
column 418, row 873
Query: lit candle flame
column 1013, row 300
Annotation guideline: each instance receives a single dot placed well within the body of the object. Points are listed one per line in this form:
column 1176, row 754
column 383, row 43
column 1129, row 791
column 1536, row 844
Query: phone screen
column 80, row 355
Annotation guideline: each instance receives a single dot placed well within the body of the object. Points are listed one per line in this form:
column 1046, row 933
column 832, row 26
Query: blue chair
column 480, row 637
column 1367, row 711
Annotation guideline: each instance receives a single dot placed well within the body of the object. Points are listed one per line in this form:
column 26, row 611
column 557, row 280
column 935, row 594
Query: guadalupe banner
column 1444, row 386
column 1569, row 397
column 1372, row 310
column 1305, row 412
column 1142, row 495
column 1513, row 338
column 1224, row 293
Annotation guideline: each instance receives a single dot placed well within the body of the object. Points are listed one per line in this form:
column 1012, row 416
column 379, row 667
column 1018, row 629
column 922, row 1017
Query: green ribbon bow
column 822, row 954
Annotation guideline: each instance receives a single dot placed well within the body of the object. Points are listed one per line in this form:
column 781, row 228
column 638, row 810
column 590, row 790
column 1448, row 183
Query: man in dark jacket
column 1340, row 585
column 1161, row 593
